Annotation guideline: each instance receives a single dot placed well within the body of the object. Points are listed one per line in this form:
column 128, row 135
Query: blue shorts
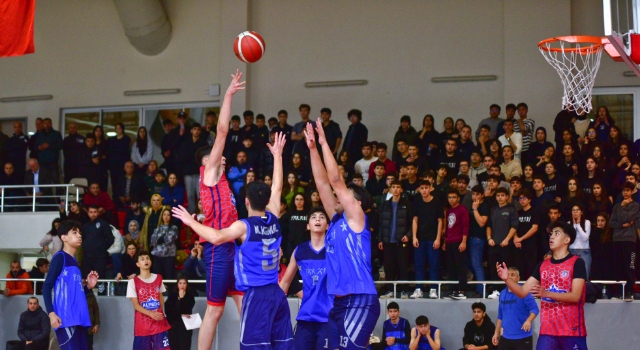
column 72, row 338
column 549, row 342
column 158, row 341
column 311, row 335
column 266, row 320
column 352, row 320
column 218, row 261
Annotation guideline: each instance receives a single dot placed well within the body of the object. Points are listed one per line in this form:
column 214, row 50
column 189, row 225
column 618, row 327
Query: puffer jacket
column 403, row 220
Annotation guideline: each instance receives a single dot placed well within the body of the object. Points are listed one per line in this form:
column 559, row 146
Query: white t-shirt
column 362, row 167
column 581, row 127
column 131, row 285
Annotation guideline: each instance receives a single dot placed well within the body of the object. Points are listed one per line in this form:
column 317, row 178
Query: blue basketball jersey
column 312, row 265
column 396, row 331
column 423, row 343
column 348, row 258
column 69, row 298
column 256, row 259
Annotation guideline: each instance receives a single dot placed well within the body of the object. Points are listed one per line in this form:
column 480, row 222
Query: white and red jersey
column 149, row 298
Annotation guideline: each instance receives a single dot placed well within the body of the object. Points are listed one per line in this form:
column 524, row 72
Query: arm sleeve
column 536, row 272
column 187, row 304
column 465, row 223
column 468, row 335
column 580, row 270
column 407, row 334
column 55, row 268
column 21, row 334
column 616, row 221
column 148, row 155
column 201, row 268
column 531, row 304
column 46, row 240
column 108, row 235
column 135, row 155
column 518, row 141
column 515, row 220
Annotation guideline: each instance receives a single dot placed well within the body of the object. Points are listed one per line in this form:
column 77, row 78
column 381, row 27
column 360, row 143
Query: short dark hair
column 554, row 206
column 247, row 113
column 479, row 305
column 202, row 152
column 405, row 118
column 273, row 119
column 422, row 320
column 282, row 111
column 304, row 105
column 503, row 191
column 425, row 183
column 93, row 206
column 515, row 179
column 260, row 116
column 196, row 125
column 566, row 228
column 357, row 176
column 510, row 106
column 235, row 118
column 522, row 104
column 496, row 178
column 90, row 136
column 525, row 192
column 42, row 262
column 495, row 106
column 485, row 126
column 463, row 177
column 478, row 189
column 367, row 144
column 258, row 194
column 510, row 121
column 356, row 112
column 379, row 163
column 67, row 226
column 452, row 191
column 325, row 110
column 628, row 186
column 397, row 183
column 361, row 195
column 382, row 145
column 213, row 113
column 476, row 151
column 317, row 210
column 393, row 305
column 143, row 253
column 167, row 122
column 539, row 177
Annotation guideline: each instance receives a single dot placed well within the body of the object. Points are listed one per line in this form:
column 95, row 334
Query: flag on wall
column 16, row 27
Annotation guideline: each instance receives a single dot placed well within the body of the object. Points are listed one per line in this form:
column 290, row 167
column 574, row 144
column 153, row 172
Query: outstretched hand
column 309, row 136
column 92, row 279
column 322, row 139
column 503, row 272
column 183, row 215
column 278, row 144
column 236, row 85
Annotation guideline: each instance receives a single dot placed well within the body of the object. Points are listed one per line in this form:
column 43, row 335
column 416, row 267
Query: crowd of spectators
column 448, row 203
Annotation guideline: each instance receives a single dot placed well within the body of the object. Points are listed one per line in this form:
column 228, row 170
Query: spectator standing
column 97, row 238
column 511, row 166
column 484, row 142
column 96, row 197
column 234, row 138
column 297, row 132
column 189, row 167
column 194, row 268
column 525, row 240
column 429, row 140
column 377, row 184
column 76, row 213
column 209, row 127
column 492, row 122
column 173, row 193
column 52, row 237
column 94, row 316
column 291, row 188
column 512, row 138
column 262, row 134
column 510, row 113
column 128, row 269
column 580, row 247
column 89, row 158
column 390, row 166
column 478, row 234
column 39, row 271
column 142, row 150
column 538, row 147
column 393, row 237
column 298, row 220
column 357, row 135
column 405, row 132
column 116, row 250
column 525, row 126
column 623, row 219
column 180, row 304
column 152, row 220
column 33, row 149
column 287, row 130
column 118, row 153
column 252, row 152
column 502, row 226
column 479, row 331
column 16, row 147
column 301, row 168
column 33, row 328
column 163, row 246
column 449, row 157
column 49, row 145
column 265, row 159
column 103, row 166
column 3, row 147
column 331, row 130
column 166, row 146
column 601, row 249
column 38, row 175
column 249, row 129
column 455, row 243
column 237, row 172
column 129, row 185
column 17, row 287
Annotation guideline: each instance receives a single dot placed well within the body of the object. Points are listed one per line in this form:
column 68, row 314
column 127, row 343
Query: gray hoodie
column 622, row 215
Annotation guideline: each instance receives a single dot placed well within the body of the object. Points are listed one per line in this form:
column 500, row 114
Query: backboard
column 621, row 28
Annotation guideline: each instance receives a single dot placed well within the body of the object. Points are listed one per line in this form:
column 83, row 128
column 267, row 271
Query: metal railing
column 31, row 201
column 394, row 283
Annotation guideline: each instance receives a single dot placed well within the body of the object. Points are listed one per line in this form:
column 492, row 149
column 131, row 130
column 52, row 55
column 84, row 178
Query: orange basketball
column 249, row 47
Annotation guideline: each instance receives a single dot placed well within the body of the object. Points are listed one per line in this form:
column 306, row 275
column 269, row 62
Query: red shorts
column 218, row 261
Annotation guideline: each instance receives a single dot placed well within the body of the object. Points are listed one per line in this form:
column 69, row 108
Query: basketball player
column 348, row 247
column 560, row 284
column 266, row 320
column 218, row 205
column 310, row 258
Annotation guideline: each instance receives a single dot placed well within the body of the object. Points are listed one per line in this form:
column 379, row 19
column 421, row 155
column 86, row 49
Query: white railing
column 22, row 201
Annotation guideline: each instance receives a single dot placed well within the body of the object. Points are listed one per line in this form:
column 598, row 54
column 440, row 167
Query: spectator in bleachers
column 38, row 175
column 237, row 172
column 242, row 194
column 449, row 157
column 590, row 141
column 301, row 168
column 142, row 150
column 623, row 219
column 428, row 139
column 166, row 146
column 3, row 146
column 483, row 143
column 287, row 130
column 292, row 188
column 603, row 124
column 538, row 147
column 591, row 175
column 556, row 186
column 265, row 159
column 128, row 269
column 511, row 166
column 357, row 134
column 97, row 238
column 133, row 220
column 345, row 160
column 118, row 153
column 33, row 149
column 411, row 184
column 39, row 271
column 9, row 177
column 297, row 133
column 495, row 149
column 568, row 138
column 401, row 152
column 547, row 157
column 88, row 161
column 16, row 147
column 194, row 268
column 525, row 126
column 574, row 196
column 163, row 246
column 130, row 184
column 527, row 177
column 390, row 166
column 332, row 131
column 72, row 146
column 455, row 243
column 492, row 121
column 173, row 193
column 581, row 125
column 580, row 246
column 501, row 228
column 298, row 218
column 619, row 165
column 152, row 220
column 33, row 329
column 49, row 144
column 234, row 139
column 101, row 146
column 449, row 131
column 116, row 250
column 52, row 237
column 405, row 132
column 262, row 133
column 249, row 129
column 180, row 303
column 478, row 332
column 525, row 240
column 464, row 144
column 602, row 249
column 159, row 182
column 569, row 164
column 149, row 175
column 512, row 138
column 314, row 198
column 102, row 200
column 599, row 156
column 251, row 151
column 17, row 287
column 563, row 121
column 415, row 158
column 210, row 127
column 76, row 213
column 509, row 113
column 617, row 139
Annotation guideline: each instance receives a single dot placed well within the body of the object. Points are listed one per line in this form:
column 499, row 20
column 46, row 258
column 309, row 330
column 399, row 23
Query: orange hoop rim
column 595, row 42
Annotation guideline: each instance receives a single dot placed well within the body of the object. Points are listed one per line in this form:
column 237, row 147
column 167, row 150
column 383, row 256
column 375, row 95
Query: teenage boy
column 510, row 167
column 233, row 140
column 262, row 133
column 396, row 331
column 525, row 240
column 623, row 217
column 449, row 157
column 427, row 228
column 476, row 167
column 515, row 316
column 377, row 184
column 511, row 138
column 390, row 166
column 479, row 331
column 424, row 336
column 410, row 184
column 560, row 284
column 415, row 158
column 309, row 258
column 393, row 237
column 478, row 234
column 455, row 243
column 362, row 166
column 568, row 165
column 501, row 227
column 68, row 311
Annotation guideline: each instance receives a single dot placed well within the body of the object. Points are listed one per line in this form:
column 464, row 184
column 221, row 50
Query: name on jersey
column 299, row 217
column 151, row 304
column 265, row 230
column 525, row 219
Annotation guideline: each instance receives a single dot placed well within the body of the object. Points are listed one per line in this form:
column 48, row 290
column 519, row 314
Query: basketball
column 249, row 47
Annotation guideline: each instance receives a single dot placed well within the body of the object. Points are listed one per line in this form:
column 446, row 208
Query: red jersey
column 149, row 298
column 560, row 318
column 218, row 203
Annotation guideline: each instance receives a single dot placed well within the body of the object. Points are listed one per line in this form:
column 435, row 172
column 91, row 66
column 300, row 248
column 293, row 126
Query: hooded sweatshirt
column 34, row 325
column 479, row 335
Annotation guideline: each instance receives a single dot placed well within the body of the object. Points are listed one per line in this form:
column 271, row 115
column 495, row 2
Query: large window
column 622, row 103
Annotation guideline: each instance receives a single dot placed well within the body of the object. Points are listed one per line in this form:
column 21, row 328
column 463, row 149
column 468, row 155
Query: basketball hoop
column 576, row 59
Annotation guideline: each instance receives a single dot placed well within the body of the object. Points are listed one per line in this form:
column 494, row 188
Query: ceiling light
column 26, row 98
column 314, row 84
column 464, row 78
column 151, row 92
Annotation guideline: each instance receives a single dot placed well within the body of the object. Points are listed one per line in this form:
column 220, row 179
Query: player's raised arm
column 276, row 186
column 352, row 208
column 215, row 157
column 320, row 173
column 237, row 230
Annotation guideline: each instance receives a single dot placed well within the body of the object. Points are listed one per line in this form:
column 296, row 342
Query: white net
column 577, row 67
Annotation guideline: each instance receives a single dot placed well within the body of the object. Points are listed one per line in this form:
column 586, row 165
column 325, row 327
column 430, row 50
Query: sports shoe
column 450, row 296
column 494, row 295
column 433, row 294
column 387, row 295
column 417, row 294
column 404, row 295
column 628, row 297
column 458, row 296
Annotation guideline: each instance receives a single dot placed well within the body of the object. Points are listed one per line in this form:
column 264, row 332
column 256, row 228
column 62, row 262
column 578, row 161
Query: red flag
column 16, row 27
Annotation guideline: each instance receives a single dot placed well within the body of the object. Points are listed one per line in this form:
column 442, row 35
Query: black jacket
column 479, row 336
column 403, row 220
column 44, row 178
column 34, row 325
column 175, row 308
column 35, row 273
column 357, row 134
column 16, row 147
column 137, row 188
column 96, row 238
column 186, row 156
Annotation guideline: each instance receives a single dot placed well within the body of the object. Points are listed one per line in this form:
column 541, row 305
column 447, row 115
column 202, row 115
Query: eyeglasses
column 591, row 132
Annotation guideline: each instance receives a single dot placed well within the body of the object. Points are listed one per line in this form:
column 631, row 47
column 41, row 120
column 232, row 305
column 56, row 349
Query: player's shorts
column 218, row 261
column 549, row 342
column 72, row 338
column 158, row 341
column 266, row 320
column 516, row 344
column 351, row 321
column 311, row 335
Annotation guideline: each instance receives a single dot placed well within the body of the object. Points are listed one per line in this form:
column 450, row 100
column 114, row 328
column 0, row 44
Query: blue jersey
column 69, row 298
column 316, row 302
column 256, row 259
column 423, row 344
column 397, row 331
column 348, row 258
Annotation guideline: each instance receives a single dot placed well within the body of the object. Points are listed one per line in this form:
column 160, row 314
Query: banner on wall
column 16, row 27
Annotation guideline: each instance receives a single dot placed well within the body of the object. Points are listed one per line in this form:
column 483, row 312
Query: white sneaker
column 387, row 295
column 417, row 294
column 404, row 295
column 494, row 295
column 433, row 294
